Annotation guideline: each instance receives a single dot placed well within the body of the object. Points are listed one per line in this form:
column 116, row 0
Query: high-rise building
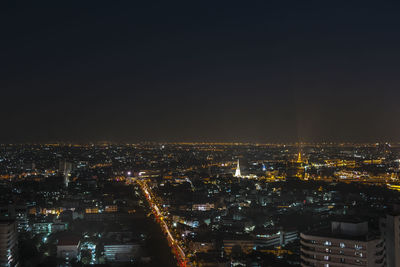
column 65, row 168
column 345, row 244
column 237, row 172
column 390, row 230
column 17, row 212
column 8, row 243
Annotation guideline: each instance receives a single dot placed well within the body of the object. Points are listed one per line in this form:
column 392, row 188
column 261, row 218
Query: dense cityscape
column 199, row 204
column 200, row 133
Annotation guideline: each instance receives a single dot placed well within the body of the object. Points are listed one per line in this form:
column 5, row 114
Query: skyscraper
column 8, row 243
column 390, row 230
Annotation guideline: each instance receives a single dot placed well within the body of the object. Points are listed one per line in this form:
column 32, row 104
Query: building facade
column 390, row 230
column 121, row 252
column 68, row 248
column 8, row 243
column 345, row 244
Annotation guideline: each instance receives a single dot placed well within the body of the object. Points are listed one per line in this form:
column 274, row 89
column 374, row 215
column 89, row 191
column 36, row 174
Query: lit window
column 327, row 243
column 358, row 253
column 326, row 265
column 327, row 258
column 357, row 246
column 342, row 245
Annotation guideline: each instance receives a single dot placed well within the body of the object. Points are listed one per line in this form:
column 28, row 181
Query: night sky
column 258, row 71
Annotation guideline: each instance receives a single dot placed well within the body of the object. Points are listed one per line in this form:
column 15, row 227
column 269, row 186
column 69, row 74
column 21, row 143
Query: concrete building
column 121, row 252
column 68, row 248
column 345, row 244
column 58, row 227
column 390, row 230
column 8, row 243
column 281, row 238
column 246, row 246
column 17, row 212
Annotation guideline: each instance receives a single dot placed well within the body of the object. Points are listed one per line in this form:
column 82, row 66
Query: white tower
column 237, row 173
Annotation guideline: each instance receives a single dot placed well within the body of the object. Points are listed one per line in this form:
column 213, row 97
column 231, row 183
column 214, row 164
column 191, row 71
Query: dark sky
column 268, row 71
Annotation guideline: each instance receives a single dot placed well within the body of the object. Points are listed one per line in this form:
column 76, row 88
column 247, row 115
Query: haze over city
column 200, row 71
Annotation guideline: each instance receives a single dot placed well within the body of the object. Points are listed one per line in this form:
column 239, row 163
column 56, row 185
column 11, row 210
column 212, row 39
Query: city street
column 173, row 243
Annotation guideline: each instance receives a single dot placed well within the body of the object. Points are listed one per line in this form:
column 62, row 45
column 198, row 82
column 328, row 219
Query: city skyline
column 200, row 134
column 196, row 204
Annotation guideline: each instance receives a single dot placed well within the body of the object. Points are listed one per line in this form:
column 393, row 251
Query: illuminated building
column 17, row 212
column 280, row 238
column 246, row 246
column 121, row 252
column 42, row 227
column 111, row 208
column 203, row 207
column 346, row 244
column 92, row 210
column 296, row 168
column 237, row 172
column 8, row 243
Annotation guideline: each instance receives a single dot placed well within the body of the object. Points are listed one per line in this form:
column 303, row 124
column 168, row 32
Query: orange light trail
column 177, row 250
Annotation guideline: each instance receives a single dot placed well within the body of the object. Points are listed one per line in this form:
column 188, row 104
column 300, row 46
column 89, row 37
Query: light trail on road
column 179, row 253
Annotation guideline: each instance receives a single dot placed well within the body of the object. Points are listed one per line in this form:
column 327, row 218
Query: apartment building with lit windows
column 346, row 244
column 8, row 243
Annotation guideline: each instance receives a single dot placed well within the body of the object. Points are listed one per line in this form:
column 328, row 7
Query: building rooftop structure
column 351, row 229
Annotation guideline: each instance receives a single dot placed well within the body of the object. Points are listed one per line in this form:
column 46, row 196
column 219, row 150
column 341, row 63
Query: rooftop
column 69, row 241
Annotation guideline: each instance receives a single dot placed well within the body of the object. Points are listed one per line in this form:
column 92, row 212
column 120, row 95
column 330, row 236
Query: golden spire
column 299, row 158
